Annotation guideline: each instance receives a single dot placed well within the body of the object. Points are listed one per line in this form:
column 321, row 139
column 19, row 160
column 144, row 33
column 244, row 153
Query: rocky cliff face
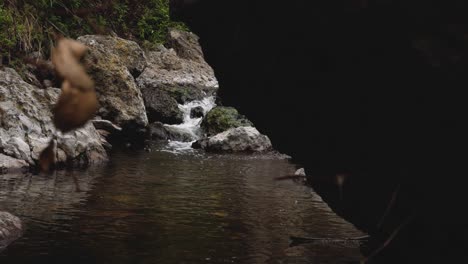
column 175, row 74
column 26, row 126
column 134, row 89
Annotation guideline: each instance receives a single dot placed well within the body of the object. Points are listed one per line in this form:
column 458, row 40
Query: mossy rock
column 222, row 118
column 162, row 107
column 184, row 94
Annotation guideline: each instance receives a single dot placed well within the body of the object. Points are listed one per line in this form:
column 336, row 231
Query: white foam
column 190, row 125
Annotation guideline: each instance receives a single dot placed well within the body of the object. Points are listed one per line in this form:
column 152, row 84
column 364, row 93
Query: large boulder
column 173, row 73
column 27, row 126
column 162, row 107
column 222, row 118
column 113, row 63
column 11, row 229
column 240, row 139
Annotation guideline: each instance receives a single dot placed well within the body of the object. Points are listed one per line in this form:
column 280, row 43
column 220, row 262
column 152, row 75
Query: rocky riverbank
column 140, row 94
column 143, row 95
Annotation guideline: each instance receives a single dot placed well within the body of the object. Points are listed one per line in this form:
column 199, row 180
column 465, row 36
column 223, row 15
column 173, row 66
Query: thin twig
column 290, row 177
column 359, row 238
column 389, row 239
column 389, row 207
column 58, row 29
column 303, row 240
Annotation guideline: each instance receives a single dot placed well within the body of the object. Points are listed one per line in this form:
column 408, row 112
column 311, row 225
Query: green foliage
column 31, row 25
column 155, row 21
column 222, row 118
column 183, row 94
column 7, row 39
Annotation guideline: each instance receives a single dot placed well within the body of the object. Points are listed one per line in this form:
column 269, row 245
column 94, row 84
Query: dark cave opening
column 370, row 89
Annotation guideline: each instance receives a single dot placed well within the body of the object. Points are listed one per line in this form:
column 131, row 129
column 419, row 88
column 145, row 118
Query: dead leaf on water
column 220, row 214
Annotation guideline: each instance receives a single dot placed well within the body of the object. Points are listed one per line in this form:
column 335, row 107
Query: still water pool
column 163, row 207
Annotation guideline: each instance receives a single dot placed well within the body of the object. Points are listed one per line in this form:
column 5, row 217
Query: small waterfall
column 190, row 128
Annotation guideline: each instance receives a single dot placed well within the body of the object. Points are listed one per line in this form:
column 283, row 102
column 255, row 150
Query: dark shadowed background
column 371, row 89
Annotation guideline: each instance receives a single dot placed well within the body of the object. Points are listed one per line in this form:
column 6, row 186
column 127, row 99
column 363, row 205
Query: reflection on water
column 163, row 207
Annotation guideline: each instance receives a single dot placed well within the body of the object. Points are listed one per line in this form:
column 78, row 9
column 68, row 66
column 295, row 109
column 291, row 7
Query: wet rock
column 300, row 172
column 106, row 125
column 222, row 118
column 107, row 130
column 180, row 78
column 240, row 139
column 27, row 125
column 16, row 147
column 11, row 229
column 196, row 112
column 8, row 163
column 158, row 131
column 113, row 63
column 176, row 134
column 162, row 107
column 84, row 145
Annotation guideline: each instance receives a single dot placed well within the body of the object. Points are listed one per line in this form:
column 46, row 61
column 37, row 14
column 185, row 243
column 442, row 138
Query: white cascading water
column 190, row 126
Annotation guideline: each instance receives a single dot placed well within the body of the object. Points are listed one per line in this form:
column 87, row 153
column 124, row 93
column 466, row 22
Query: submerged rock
column 113, row 63
column 27, row 126
column 222, row 118
column 158, row 131
column 240, row 139
column 11, row 229
column 196, row 112
column 173, row 77
column 177, row 134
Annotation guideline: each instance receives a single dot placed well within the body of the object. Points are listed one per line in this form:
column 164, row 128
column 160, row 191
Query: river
column 166, row 207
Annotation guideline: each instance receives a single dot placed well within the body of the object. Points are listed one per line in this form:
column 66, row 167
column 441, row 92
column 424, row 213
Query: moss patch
column 222, row 118
column 184, row 94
